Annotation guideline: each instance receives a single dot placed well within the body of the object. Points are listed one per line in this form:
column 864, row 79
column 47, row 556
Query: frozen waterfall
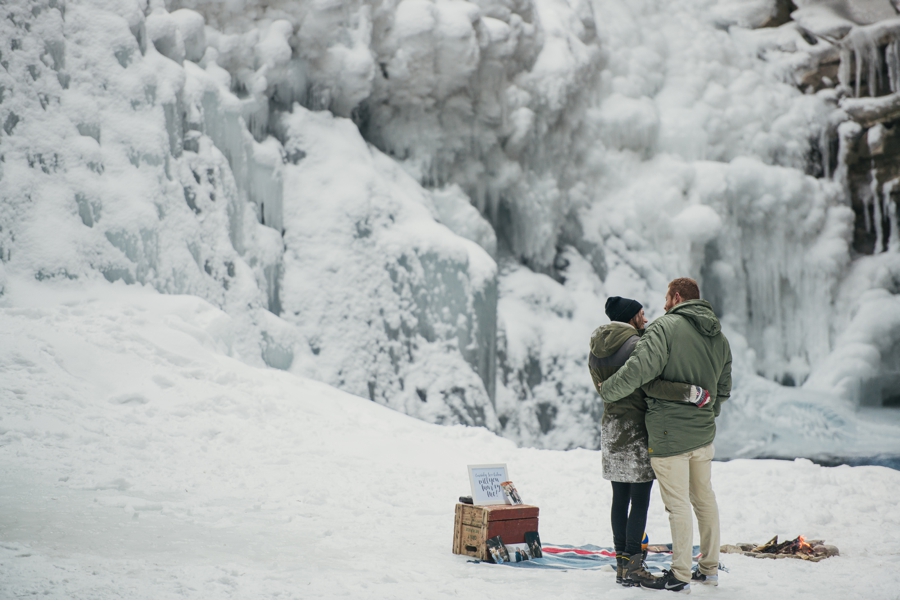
column 426, row 202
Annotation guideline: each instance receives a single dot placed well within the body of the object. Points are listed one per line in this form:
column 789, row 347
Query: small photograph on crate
column 512, row 495
column 518, row 552
column 533, row 540
column 497, row 550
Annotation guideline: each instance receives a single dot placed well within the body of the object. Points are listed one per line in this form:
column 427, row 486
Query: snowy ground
column 139, row 461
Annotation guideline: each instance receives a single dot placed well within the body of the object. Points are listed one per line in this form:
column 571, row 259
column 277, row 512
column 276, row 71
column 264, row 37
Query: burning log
column 798, row 548
column 768, row 547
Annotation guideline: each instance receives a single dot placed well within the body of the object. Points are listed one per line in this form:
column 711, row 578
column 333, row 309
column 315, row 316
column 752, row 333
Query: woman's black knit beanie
column 622, row 309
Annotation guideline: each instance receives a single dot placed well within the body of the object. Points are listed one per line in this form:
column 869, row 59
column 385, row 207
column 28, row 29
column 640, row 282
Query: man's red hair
column 687, row 288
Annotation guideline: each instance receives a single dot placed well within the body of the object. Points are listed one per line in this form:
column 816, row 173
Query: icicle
column 876, row 211
column 874, row 60
column 825, row 150
column 844, row 68
column 864, row 45
column 848, row 134
column 892, row 58
column 893, row 245
column 867, row 215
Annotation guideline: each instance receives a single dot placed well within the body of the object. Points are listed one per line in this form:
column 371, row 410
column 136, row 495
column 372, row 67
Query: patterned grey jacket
column 623, row 435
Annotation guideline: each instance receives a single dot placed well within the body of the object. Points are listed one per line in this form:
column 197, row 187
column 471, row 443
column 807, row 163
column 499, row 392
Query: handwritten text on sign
column 486, row 480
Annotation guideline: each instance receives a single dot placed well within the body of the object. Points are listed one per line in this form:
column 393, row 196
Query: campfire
column 798, row 548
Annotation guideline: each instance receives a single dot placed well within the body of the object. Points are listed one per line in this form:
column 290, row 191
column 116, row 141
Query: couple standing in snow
column 662, row 390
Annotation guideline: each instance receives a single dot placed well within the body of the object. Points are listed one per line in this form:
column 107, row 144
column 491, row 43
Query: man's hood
column 606, row 340
column 701, row 316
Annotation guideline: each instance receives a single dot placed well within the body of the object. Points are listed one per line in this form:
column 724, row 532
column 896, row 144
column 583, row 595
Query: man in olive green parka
column 626, row 463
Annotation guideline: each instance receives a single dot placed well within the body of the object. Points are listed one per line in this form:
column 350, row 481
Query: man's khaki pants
column 684, row 481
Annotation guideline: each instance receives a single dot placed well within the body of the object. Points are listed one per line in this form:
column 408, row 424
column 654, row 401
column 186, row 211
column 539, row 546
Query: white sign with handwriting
column 486, row 480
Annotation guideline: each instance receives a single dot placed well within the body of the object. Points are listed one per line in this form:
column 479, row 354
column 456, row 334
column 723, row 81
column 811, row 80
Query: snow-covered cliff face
column 426, row 202
column 128, row 152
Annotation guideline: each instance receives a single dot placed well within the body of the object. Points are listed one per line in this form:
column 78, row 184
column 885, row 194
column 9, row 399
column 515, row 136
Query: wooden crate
column 474, row 524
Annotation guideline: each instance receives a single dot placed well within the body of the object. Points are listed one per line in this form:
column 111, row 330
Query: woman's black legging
column 628, row 528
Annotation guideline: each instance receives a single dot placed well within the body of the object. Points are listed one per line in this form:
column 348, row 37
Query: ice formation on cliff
column 426, row 202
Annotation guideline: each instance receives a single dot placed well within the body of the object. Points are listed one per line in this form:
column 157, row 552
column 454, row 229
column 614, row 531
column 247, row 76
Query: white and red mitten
column 699, row 396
